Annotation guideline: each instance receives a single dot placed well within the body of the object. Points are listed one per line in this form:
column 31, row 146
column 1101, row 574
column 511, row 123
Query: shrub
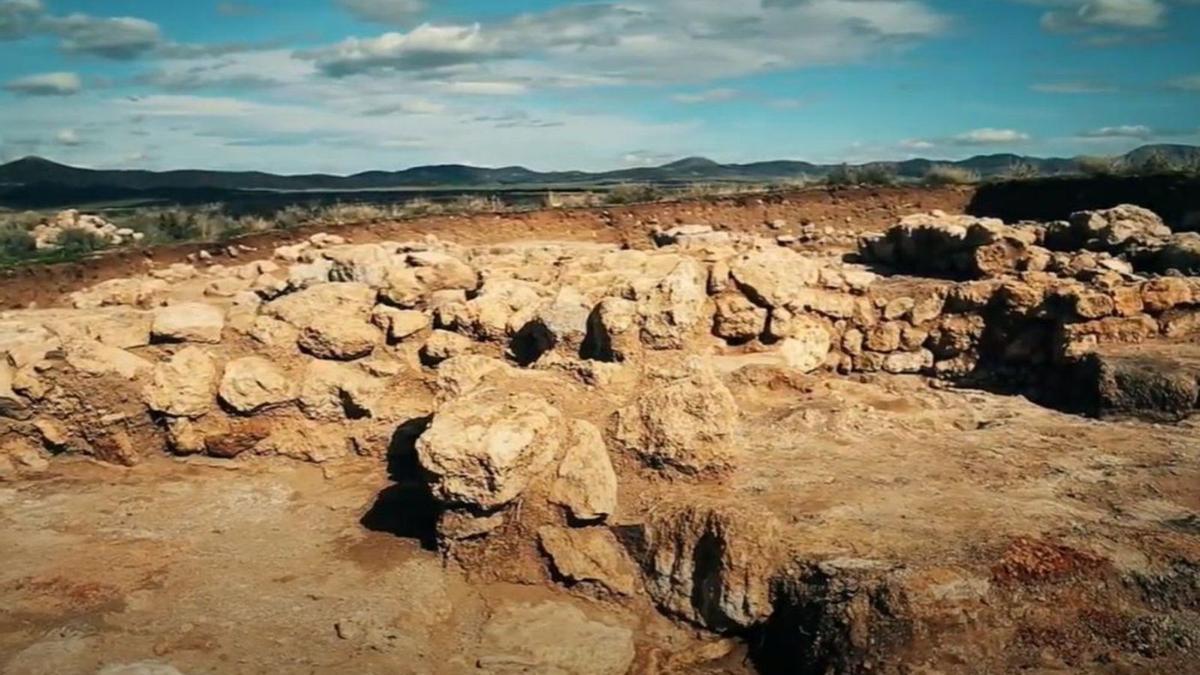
column 632, row 193
column 74, row 242
column 876, row 174
column 841, row 175
column 16, row 244
column 941, row 175
column 177, row 225
column 1021, row 171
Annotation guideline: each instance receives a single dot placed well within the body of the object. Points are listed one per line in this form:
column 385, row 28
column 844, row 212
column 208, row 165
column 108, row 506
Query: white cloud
column 1123, row 131
column 1072, row 88
column 1185, row 83
column 46, row 84
column 989, row 136
column 707, row 96
column 917, row 144
column 120, row 38
column 392, row 12
column 68, row 137
column 1080, row 15
column 426, row 47
column 648, row 42
column 18, row 18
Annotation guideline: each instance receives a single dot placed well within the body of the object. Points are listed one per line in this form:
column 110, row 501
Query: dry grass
column 945, row 174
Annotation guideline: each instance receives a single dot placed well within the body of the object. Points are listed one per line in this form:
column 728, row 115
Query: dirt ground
column 853, row 209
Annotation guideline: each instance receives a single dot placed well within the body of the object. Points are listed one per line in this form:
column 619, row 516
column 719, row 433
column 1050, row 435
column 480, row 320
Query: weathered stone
column 956, row 334
column 253, row 383
column 808, row 346
column 685, row 425
column 183, row 385
column 484, row 448
column 591, row 556
column 772, row 277
column 340, row 338
column 738, row 319
column 1165, row 293
column 94, row 358
column 442, row 345
column 553, row 637
column 712, row 565
column 908, row 362
column 585, row 484
column 460, row 374
column 333, row 391
column 188, row 322
column 885, row 337
column 322, row 300
column 671, row 312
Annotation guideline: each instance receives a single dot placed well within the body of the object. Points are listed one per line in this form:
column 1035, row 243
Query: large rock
column 590, row 555
column 335, row 391
column 586, row 484
column 673, row 309
column 683, row 425
column 135, row 292
column 1114, row 229
column 712, row 565
column 183, row 385
column 253, row 383
column 302, row 307
column 773, row 277
column 188, row 322
column 338, row 337
column 94, row 358
column 553, row 638
column 483, row 449
column 737, row 319
column 808, row 345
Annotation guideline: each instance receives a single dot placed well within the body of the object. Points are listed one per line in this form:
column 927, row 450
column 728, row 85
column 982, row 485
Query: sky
column 341, row 86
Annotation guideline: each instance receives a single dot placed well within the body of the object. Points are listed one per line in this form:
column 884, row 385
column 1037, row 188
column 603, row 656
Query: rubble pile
column 47, row 235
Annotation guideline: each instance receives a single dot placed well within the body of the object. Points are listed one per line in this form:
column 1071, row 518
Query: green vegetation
column 942, row 175
column 869, row 174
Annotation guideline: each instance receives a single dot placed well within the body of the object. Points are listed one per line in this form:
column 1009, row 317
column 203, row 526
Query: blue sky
column 349, row 85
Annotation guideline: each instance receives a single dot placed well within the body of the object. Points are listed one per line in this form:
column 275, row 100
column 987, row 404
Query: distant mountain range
column 37, row 171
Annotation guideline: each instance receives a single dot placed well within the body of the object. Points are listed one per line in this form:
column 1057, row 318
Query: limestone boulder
column 94, row 358
column 807, row 346
column 591, row 556
column 461, row 374
column 302, row 307
column 773, row 277
column 183, row 386
column 483, row 449
column 338, row 337
column 585, row 482
column 336, row 391
column 737, row 319
column 671, row 311
column 683, row 425
column 188, row 322
column 442, row 345
column 254, row 383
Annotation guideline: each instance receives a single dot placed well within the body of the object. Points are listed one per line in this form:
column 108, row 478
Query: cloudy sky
column 348, row 85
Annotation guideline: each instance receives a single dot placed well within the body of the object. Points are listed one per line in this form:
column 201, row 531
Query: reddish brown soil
column 853, row 209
